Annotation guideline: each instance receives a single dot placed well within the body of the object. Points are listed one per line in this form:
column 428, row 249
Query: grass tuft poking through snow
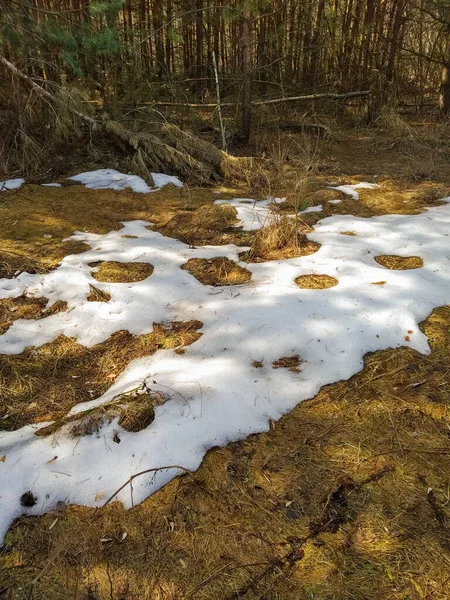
column 265, row 347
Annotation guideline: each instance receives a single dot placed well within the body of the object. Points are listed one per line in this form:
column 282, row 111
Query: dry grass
column 280, row 239
column 207, row 224
column 346, row 497
column 134, row 411
column 399, row 263
column 217, row 271
column 316, row 282
column 97, row 295
column 288, row 362
column 43, row 384
column 25, row 307
column 116, row 272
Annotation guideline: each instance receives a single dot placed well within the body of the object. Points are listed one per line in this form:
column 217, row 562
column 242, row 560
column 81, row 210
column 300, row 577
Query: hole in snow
column 28, row 500
column 288, row 362
column 217, row 271
column 116, row 272
column 316, row 282
column 399, row 263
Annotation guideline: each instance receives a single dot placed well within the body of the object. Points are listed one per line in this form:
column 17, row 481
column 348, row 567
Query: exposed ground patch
column 399, row 263
column 97, row 295
column 316, row 282
column 43, row 384
column 217, row 271
column 288, row 362
column 25, row 307
column 116, row 272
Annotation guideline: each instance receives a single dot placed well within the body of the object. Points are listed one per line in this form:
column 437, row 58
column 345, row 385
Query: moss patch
column 217, row 271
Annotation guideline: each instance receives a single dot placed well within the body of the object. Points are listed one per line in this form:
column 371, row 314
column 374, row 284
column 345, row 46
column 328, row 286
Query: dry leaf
column 99, row 496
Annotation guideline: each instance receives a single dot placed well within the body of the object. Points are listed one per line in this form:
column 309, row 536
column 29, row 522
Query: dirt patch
column 288, row 362
column 116, row 272
column 25, row 307
column 399, row 263
column 217, row 271
column 316, row 282
column 43, row 384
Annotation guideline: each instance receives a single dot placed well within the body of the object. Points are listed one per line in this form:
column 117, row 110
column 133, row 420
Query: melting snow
column 110, row 179
column 11, row 184
column 350, row 190
column 214, row 393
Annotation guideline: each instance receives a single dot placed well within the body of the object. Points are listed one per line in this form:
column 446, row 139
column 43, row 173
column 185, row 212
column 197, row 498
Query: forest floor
column 346, row 497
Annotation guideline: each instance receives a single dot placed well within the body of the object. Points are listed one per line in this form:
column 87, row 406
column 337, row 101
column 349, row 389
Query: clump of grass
column 217, row 271
column 116, row 272
column 399, row 263
column 280, row 239
column 97, row 295
column 316, row 282
column 292, row 363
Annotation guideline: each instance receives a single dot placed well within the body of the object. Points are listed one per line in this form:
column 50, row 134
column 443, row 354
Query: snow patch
column 214, row 393
column 11, row 184
column 110, row 179
column 350, row 190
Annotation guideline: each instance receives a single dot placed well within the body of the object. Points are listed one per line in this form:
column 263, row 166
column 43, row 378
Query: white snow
column 334, row 201
column 254, row 214
column 350, row 190
column 11, row 184
column 110, row 179
column 214, row 394
column 51, row 184
column 161, row 179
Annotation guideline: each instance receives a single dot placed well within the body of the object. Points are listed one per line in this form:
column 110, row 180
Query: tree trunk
column 246, row 99
column 444, row 95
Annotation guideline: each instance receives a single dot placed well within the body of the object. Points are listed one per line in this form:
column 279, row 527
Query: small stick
column 130, row 480
column 219, row 108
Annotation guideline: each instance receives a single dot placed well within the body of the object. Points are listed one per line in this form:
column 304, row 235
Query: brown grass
column 316, row 282
column 25, row 307
column 399, row 263
column 217, row 271
column 116, row 272
column 280, row 239
column 135, row 411
column 97, row 295
column 288, row 362
column 345, row 497
column 43, row 384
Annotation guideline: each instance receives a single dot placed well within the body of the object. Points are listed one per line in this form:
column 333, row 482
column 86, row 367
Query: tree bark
column 246, row 98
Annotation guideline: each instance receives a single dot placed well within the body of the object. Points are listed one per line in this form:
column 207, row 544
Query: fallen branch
column 325, row 96
column 42, row 92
